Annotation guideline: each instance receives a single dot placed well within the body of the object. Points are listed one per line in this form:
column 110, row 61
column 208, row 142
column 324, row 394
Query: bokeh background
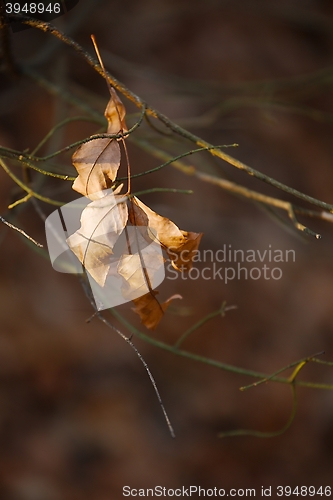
column 78, row 416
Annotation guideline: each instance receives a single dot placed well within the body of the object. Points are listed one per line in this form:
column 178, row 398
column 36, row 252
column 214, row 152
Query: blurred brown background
column 78, row 416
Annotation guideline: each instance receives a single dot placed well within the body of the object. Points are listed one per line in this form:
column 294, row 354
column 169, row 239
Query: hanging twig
column 98, row 315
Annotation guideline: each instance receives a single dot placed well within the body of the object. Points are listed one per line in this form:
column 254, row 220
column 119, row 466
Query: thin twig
column 11, row 153
column 152, row 380
column 26, row 188
column 128, row 340
column 21, row 232
column 174, row 160
column 163, row 190
column 220, row 312
column 254, row 195
column 291, row 365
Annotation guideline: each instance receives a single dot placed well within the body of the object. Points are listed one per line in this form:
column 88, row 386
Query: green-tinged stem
column 26, row 188
column 208, row 361
column 202, row 321
column 163, row 190
column 261, row 434
column 299, row 365
column 174, row 160
column 59, row 125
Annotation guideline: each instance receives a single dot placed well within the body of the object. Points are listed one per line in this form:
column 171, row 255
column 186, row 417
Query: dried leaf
column 102, row 222
column 167, row 232
column 97, row 163
column 150, row 310
column 115, row 114
column 137, row 216
column 181, row 245
column 139, row 219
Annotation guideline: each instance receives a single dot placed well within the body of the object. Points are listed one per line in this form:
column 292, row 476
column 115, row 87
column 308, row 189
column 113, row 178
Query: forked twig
column 291, row 381
column 299, row 364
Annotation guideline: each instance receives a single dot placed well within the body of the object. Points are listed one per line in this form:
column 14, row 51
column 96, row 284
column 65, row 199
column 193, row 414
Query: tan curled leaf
column 97, row 163
column 115, row 114
column 181, row 246
column 102, row 222
column 150, row 310
column 167, row 232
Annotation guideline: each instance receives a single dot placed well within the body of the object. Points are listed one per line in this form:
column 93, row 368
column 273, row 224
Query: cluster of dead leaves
column 112, row 214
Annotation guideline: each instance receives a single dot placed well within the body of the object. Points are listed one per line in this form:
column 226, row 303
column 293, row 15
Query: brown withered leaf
column 139, row 219
column 115, row 113
column 181, row 246
column 136, row 215
column 97, row 161
column 167, row 232
column 102, row 222
column 150, row 310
